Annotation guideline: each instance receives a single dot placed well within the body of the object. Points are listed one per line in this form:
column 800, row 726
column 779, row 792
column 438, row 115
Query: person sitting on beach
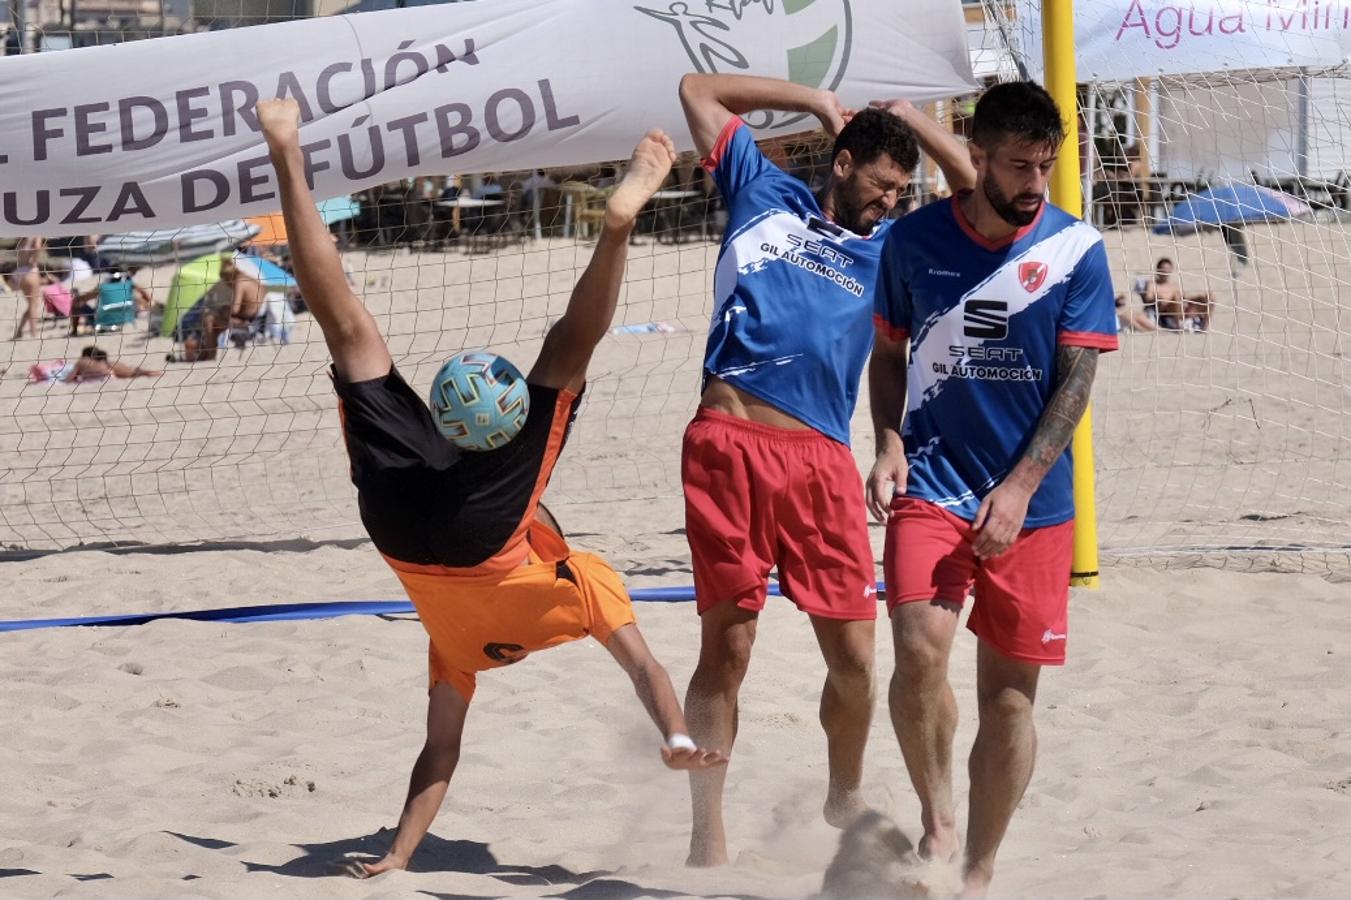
column 200, row 328
column 1132, row 319
column 247, row 294
column 110, row 284
column 485, row 565
column 1174, row 310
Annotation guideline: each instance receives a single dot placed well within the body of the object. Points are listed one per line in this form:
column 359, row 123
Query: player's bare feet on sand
column 844, row 807
column 280, row 120
column 648, row 167
column 941, row 847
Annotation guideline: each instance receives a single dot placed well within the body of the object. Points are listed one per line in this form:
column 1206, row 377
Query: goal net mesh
column 1223, row 434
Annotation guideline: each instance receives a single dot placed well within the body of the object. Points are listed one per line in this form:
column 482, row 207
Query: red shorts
column 1022, row 595
column 756, row 497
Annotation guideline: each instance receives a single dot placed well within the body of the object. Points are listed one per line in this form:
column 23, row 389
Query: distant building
column 232, row 13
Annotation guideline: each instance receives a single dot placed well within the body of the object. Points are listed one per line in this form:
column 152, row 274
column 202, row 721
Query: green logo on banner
column 718, row 36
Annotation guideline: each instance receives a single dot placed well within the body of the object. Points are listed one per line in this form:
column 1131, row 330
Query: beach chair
column 116, row 308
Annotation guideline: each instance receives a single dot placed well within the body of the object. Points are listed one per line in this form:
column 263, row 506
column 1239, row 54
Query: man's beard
column 850, row 211
column 1006, row 209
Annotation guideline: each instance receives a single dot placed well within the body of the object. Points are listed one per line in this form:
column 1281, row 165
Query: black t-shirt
column 422, row 499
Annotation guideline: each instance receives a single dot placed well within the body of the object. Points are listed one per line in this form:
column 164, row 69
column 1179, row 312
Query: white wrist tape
column 680, row 741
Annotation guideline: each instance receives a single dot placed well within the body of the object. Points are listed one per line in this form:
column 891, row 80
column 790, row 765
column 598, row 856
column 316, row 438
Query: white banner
column 162, row 132
column 1119, row 40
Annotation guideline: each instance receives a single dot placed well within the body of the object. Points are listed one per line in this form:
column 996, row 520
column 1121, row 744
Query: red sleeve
column 1095, row 339
column 889, row 331
column 719, row 150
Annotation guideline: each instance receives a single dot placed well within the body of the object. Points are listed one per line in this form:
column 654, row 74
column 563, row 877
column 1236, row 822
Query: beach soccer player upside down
column 486, row 567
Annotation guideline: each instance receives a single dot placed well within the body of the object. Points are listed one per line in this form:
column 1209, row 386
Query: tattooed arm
column 1004, row 509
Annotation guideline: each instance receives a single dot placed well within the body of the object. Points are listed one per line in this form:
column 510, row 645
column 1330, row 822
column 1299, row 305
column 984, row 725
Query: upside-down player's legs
column 568, row 346
column 353, row 338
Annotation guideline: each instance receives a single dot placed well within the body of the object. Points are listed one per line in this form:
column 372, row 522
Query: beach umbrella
column 190, row 282
column 166, row 245
column 195, row 278
column 271, row 231
column 339, row 209
column 269, row 273
column 272, row 227
column 1231, row 204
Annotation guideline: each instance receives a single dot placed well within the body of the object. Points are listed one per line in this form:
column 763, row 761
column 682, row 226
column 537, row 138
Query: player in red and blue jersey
column 1005, row 303
column 768, row 475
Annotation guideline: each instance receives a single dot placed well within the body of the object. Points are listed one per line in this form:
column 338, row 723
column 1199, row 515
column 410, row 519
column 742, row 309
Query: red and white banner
column 162, row 133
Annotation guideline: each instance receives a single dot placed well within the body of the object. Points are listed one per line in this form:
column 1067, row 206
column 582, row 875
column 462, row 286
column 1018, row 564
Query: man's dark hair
column 98, row 354
column 1017, row 109
column 1162, row 260
column 873, row 132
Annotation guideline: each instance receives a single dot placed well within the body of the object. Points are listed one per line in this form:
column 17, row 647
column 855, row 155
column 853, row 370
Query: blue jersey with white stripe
column 984, row 320
column 794, row 292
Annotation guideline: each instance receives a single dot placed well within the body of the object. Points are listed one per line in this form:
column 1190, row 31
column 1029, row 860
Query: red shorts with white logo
column 756, row 497
column 1021, row 596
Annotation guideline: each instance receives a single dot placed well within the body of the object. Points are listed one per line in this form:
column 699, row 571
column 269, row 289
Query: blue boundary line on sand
column 284, row 612
column 290, row 612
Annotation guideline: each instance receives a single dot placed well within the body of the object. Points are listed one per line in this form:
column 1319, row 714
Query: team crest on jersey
column 1031, row 275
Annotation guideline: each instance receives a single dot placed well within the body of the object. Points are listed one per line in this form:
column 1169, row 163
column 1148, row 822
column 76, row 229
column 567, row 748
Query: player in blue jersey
column 768, row 476
column 1005, row 303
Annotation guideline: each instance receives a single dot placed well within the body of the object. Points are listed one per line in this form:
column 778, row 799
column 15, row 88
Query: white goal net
column 1223, row 426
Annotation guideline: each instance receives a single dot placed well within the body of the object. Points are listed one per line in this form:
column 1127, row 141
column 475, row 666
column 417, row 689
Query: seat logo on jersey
column 987, row 319
column 1031, row 275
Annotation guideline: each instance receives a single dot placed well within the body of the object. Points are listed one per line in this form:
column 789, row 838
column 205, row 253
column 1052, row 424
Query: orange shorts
column 1022, row 595
column 480, row 622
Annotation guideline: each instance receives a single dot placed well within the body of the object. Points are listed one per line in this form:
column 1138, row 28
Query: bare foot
column 941, row 847
column 843, row 808
column 972, row 889
column 280, row 120
column 648, row 167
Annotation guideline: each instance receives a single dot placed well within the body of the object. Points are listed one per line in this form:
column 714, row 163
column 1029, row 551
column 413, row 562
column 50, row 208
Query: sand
column 1196, row 745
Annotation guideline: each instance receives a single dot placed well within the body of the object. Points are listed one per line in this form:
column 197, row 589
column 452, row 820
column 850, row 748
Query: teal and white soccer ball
column 480, row 400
